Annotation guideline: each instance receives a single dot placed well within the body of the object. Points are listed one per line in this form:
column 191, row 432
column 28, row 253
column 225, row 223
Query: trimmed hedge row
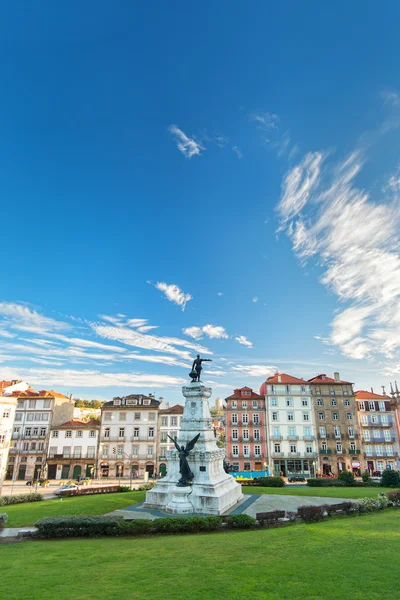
column 109, row 489
column 321, row 482
column 265, row 482
column 20, row 499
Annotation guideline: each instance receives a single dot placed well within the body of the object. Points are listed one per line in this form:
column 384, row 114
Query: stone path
column 8, row 532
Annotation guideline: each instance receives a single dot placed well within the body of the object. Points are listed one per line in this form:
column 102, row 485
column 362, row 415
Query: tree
column 346, row 477
column 390, row 478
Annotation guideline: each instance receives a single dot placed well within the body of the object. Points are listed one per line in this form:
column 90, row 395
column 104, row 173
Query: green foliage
column 124, row 488
column 91, row 491
column 390, row 478
column 137, row 527
column 394, row 497
column 311, row 514
column 66, row 527
column 240, row 522
column 372, row 504
column 322, row 482
column 365, row 477
column 88, row 404
column 346, row 476
column 20, row 499
column 187, row 525
column 146, row 487
column 269, row 482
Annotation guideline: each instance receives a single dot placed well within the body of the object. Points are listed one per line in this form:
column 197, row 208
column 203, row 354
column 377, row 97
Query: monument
column 196, row 481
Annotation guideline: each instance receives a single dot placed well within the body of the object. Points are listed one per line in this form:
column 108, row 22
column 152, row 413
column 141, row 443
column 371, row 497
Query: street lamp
column 130, row 466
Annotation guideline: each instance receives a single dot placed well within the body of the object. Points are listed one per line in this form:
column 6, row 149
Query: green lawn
column 331, row 492
column 340, row 559
column 27, row 514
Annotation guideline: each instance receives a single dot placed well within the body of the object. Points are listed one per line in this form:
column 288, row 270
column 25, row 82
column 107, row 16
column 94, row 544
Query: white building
column 73, row 450
column 128, row 436
column 36, row 412
column 8, row 404
column 169, row 424
column 291, row 433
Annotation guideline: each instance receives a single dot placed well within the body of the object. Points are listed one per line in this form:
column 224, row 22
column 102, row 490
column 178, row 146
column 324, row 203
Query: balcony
column 342, row 451
column 278, row 454
column 277, row 437
column 293, row 437
column 310, row 454
column 294, row 454
column 325, row 451
column 309, row 438
column 354, row 451
column 324, row 436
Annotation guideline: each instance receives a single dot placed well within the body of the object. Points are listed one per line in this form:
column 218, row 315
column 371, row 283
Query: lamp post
column 130, row 466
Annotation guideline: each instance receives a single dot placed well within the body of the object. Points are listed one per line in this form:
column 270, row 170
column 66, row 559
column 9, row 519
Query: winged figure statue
column 184, row 469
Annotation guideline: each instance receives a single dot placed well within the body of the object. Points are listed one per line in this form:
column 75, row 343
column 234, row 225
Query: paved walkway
column 8, row 532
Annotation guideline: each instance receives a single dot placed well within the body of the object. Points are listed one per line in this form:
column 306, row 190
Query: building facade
column 128, row 437
column 245, row 431
column 377, row 421
column 8, row 405
column 72, row 450
column 169, row 424
column 336, row 420
column 36, row 412
column 290, row 426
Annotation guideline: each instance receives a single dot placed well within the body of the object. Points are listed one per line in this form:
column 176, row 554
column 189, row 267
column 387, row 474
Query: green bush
column 365, row 477
column 137, row 527
column 64, row 527
column 268, row 482
column 311, row 514
column 322, row 482
column 20, row 499
column 394, row 497
column 124, row 488
column 186, row 525
column 390, row 478
column 240, row 522
column 372, row 504
column 346, row 476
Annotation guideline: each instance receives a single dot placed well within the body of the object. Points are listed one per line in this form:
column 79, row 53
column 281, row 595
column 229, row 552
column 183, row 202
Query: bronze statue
column 197, row 368
column 184, row 469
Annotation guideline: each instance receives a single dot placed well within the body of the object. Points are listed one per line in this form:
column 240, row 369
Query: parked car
column 83, row 480
column 296, row 479
column 68, row 486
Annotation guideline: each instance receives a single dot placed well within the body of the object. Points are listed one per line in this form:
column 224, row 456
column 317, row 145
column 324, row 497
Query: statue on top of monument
column 197, row 368
column 184, row 469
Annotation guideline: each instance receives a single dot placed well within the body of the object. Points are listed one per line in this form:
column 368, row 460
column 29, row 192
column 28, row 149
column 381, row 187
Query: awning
column 355, row 465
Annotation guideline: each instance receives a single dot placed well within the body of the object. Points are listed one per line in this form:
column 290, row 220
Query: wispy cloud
column 255, row 299
column 238, row 152
column 260, row 371
column 188, row 146
column 173, row 293
column 211, row 331
column 266, row 120
column 244, row 341
column 356, row 241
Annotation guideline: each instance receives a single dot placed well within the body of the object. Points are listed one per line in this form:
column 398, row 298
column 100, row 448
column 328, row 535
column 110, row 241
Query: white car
column 64, row 488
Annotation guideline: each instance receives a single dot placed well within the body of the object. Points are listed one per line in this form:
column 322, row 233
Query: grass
column 330, row 492
column 21, row 515
column 339, row 559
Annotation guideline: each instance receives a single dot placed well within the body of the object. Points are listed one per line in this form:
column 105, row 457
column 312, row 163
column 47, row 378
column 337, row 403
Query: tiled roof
column 177, row 408
column 324, row 379
column 6, row 384
column 364, row 395
column 75, row 423
column 30, row 393
column 284, row 378
column 153, row 402
column 237, row 394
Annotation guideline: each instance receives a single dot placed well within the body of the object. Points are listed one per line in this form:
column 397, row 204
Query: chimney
column 372, row 390
column 383, row 390
column 336, row 376
column 391, row 390
column 279, row 378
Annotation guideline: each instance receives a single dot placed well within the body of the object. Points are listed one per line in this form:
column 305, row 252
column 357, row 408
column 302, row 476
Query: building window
column 306, row 417
column 289, row 401
column 322, row 431
column 374, row 419
column 371, row 406
column 79, row 433
column 375, row 433
column 136, row 433
column 246, row 466
column 52, row 451
column 379, row 450
column 352, row 445
column 135, row 450
column 77, row 451
column 68, row 434
column 384, row 419
column 309, row 449
column 90, row 452
column 332, row 390
column 235, row 466
column 18, row 416
column 46, row 403
column 122, row 416
column 92, row 433
column 235, row 450
column 30, row 417
column 290, row 416
column 361, row 405
column 246, row 450
column 149, row 451
column 152, row 416
column 234, row 404
column 245, row 434
column 324, row 446
column 121, row 432
column 174, row 421
column 303, row 389
column 338, row 447
column 234, row 418
column 67, row 451
column 382, row 406
column 43, row 432
column 257, row 451
column 244, row 404
column 349, row 416
column 256, row 434
column 368, row 450
column 120, row 451
column 137, row 416
column 107, row 432
column 245, row 418
column 347, row 402
column 389, row 450
column 304, row 402
column 28, row 431
column 292, row 431
column 336, row 432
column 274, row 401
column 151, row 432
column 320, row 402
column 335, row 416
column 277, row 448
column 307, row 432
column 54, row 434
column 364, row 420
column 107, row 416
column 351, row 432
column 387, row 435
column 293, row 448
column 164, row 437
column 255, row 404
column 321, row 416
column 234, row 434
column 32, row 403
column 164, row 421
column 256, row 419
column 333, row 402
column 367, row 435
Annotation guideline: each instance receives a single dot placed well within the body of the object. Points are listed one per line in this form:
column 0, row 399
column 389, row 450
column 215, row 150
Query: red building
column 245, row 430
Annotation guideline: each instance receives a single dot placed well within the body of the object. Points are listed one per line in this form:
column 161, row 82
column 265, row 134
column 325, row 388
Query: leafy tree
column 365, row 477
column 346, row 476
column 390, row 478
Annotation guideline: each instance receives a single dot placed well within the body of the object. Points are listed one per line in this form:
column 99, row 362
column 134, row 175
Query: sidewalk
column 20, row 487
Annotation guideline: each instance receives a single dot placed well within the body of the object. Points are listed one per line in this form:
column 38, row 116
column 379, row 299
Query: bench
column 270, row 517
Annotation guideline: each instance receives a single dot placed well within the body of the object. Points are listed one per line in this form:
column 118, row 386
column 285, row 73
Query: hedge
column 266, row 482
column 109, row 489
column 322, row 482
column 240, row 522
column 394, row 498
column 66, row 527
column 20, row 499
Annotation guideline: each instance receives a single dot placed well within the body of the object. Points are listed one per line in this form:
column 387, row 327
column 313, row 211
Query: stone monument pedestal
column 213, row 492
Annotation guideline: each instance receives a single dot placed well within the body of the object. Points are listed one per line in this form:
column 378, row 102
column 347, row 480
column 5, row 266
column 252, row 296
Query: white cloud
column 211, row 331
column 255, row 299
column 244, row 341
column 238, row 152
column 174, row 293
column 356, row 242
column 220, row 294
column 188, row 146
column 266, row 120
column 261, row 371
column 146, row 328
column 23, row 318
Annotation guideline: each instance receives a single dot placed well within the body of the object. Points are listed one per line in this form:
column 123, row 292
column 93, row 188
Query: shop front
column 303, row 467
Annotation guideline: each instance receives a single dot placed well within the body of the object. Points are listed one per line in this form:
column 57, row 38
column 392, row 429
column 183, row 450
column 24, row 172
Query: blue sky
column 213, row 177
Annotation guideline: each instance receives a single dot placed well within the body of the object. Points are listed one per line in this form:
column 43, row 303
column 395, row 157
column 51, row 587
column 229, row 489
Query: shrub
column 3, row 520
column 393, row 497
column 390, row 478
column 146, row 487
column 321, row 482
column 137, row 527
column 268, row 482
column 365, row 477
column 271, row 517
column 63, row 527
column 124, row 488
column 240, row 522
column 109, row 489
column 372, row 504
column 346, row 476
column 311, row 514
column 20, row 499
